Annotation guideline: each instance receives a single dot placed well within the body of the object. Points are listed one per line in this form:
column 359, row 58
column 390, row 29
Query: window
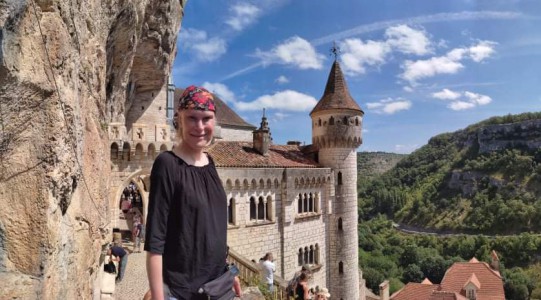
column 340, row 268
column 308, row 203
column 231, row 212
column 339, row 178
column 252, row 209
column 311, row 203
column 319, row 122
column 300, row 204
column 260, row 209
column 340, row 224
column 331, row 121
column 268, row 209
column 308, row 255
column 345, row 121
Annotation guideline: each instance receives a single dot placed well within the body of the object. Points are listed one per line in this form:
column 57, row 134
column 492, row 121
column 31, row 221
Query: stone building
column 298, row 202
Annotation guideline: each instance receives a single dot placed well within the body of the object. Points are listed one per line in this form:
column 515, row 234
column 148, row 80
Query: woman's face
column 197, row 128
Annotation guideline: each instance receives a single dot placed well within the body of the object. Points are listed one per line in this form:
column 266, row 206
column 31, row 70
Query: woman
column 322, row 294
column 187, row 215
column 302, row 292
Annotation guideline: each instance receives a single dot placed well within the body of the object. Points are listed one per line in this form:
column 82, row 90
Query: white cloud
column 389, row 106
column 221, row 90
column 408, row 89
column 415, row 70
column 482, row 50
column 461, row 105
column 294, row 51
column 201, row 46
column 356, row 54
column 478, row 98
column 446, row 94
column 462, row 100
column 282, row 79
column 242, row 15
column 280, row 116
column 408, row 40
column 287, row 100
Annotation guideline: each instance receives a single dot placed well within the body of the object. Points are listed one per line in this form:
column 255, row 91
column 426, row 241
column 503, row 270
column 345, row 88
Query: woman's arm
column 306, row 291
column 154, row 271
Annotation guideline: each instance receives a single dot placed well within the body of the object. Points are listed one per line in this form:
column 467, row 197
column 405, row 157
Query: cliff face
column 67, row 69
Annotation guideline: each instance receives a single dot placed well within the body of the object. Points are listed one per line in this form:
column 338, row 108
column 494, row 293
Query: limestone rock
column 67, row 69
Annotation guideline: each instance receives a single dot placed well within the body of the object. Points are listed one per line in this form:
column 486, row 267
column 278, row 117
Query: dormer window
column 470, row 293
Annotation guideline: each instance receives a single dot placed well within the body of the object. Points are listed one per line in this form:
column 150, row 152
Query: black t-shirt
column 186, row 223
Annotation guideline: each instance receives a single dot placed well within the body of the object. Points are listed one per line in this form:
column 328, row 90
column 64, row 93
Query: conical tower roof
column 336, row 95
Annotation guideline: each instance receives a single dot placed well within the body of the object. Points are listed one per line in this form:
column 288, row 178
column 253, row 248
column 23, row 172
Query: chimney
column 262, row 137
column 294, row 143
column 384, row 290
column 494, row 261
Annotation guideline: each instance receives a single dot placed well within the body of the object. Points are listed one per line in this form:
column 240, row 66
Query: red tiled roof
column 243, row 155
column 473, row 279
column 426, row 281
column 490, row 281
column 224, row 114
column 442, row 295
column 413, row 290
column 336, row 95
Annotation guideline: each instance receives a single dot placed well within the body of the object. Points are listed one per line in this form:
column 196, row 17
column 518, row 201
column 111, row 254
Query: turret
column 336, row 133
column 262, row 137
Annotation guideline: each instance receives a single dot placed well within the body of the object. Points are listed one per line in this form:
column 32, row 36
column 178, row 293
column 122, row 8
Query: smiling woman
column 187, row 216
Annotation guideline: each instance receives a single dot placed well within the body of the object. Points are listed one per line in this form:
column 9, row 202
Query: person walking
column 120, row 255
column 302, row 292
column 268, row 271
column 186, row 228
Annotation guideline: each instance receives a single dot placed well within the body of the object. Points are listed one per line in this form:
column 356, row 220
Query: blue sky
column 417, row 68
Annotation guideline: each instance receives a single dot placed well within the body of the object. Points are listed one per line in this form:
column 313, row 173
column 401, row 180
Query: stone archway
column 141, row 180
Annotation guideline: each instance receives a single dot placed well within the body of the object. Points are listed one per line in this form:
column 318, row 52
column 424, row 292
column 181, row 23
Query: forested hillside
column 485, row 178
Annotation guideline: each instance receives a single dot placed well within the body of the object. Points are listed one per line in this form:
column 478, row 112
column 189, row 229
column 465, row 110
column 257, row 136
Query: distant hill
column 372, row 164
column 484, row 178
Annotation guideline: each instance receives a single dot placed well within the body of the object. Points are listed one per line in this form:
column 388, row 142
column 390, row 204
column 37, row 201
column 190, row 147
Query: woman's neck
column 195, row 157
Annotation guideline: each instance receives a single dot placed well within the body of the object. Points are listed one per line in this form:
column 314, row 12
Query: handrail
column 250, row 273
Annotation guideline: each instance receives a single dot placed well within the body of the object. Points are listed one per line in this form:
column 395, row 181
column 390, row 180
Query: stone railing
column 250, row 273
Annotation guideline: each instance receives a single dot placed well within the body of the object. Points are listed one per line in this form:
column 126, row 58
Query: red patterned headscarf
column 198, row 98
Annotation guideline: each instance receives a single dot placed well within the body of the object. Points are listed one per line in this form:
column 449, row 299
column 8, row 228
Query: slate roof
column 225, row 116
column 243, row 155
column 461, row 273
column 336, row 95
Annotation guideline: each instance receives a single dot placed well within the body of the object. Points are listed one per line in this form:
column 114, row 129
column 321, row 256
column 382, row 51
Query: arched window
column 340, row 268
column 252, row 208
column 300, row 203
column 356, row 121
column 311, row 255
column 331, row 121
column 340, row 224
column 345, row 121
column 339, row 178
column 114, row 151
column 260, row 209
column 305, row 203
column 311, row 203
column 268, row 209
column 316, row 259
column 151, row 152
column 231, row 212
column 300, row 257
column 126, row 149
column 163, row 148
column 138, row 151
column 319, row 122
column 306, row 254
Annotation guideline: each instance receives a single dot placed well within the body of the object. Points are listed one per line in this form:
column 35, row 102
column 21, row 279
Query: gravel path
column 135, row 282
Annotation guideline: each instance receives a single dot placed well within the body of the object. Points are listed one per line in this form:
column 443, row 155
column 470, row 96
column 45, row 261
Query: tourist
column 186, row 228
column 302, row 292
column 268, row 271
column 121, row 256
column 322, row 294
column 292, row 284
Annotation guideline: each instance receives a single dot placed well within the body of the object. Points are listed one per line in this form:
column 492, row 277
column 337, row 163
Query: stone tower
column 336, row 133
column 262, row 136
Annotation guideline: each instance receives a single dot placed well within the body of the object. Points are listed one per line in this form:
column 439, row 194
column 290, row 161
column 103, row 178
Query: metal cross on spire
column 335, row 50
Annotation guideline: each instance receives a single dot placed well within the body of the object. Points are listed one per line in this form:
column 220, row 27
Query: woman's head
column 196, row 117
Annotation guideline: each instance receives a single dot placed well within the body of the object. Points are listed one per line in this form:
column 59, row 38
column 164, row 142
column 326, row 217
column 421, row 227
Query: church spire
column 262, row 136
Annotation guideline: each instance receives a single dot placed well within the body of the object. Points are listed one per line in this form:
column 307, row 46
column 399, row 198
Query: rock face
column 67, row 69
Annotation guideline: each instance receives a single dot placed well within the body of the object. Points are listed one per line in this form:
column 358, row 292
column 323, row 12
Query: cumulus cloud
column 201, row 46
column 408, row 40
column 280, row 116
column 389, row 106
column 357, row 54
column 294, row 51
column 462, row 100
column 446, row 94
column 282, row 79
column 221, row 90
column 242, row 15
column 450, row 63
column 286, row 100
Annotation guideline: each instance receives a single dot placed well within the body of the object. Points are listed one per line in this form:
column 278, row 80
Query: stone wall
column 67, row 69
